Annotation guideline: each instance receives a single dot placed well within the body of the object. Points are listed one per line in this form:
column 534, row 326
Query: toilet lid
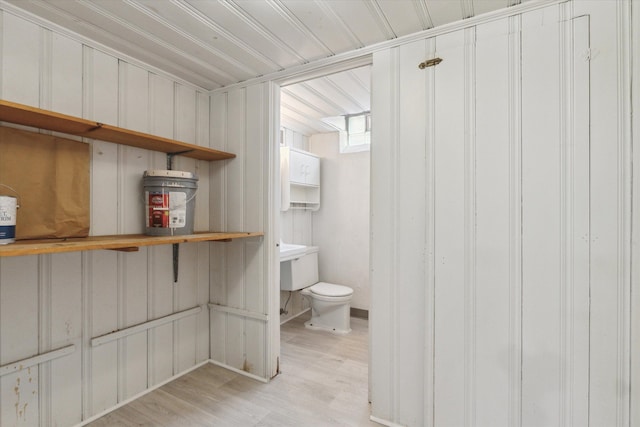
column 330, row 290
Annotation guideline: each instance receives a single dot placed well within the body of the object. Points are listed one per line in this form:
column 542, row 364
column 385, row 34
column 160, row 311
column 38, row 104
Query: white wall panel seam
column 44, row 337
column 635, row 212
column 45, row 69
column 44, row 261
column 623, row 16
column 394, row 161
column 121, row 321
column 515, row 223
column 175, row 290
column 470, row 226
column 247, row 121
column 429, row 406
column 87, row 258
column 565, row 287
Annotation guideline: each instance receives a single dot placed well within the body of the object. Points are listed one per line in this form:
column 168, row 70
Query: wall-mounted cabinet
column 300, row 179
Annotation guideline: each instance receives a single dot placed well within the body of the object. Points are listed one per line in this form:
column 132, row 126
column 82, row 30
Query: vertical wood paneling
column 577, row 214
column 238, row 274
column 606, row 216
column 133, row 114
column 78, row 296
column 101, row 104
column 450, row 198
column 384, row 81
column 160, row 302
column 515, row 222
column 430, row 236
column 492, row 222
column 511, row 249
column 254, row 197
column 20, row 278
column 60, row 401
column 65, row 393
column 19, row 339
column 236, row 128
column 203, row 168
column 102, row 318
column 635, row 225
column 100, row 297
column 132, row 286
column 186, row 291
column 20, row 60
column 217, row 211
column 542, row 237
column 160, row 276
column 202, row 299
column 410, row 234
column 132, row 310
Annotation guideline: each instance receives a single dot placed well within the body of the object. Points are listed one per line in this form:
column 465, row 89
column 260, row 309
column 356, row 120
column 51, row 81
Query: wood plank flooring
column 323, row 382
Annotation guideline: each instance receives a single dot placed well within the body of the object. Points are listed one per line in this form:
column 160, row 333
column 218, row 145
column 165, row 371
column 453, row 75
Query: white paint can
column 8, row 211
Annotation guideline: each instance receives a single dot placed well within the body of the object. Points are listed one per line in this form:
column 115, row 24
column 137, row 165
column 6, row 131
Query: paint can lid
column 170, row 174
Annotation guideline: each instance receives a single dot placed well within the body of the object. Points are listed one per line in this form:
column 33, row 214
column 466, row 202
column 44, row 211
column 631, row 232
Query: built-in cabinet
column 300, row 177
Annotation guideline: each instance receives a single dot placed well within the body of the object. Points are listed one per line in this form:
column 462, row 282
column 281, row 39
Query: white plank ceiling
column 215, row 43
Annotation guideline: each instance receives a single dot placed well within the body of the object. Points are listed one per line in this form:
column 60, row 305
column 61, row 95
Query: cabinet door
column 312, row 170
column 297, row 167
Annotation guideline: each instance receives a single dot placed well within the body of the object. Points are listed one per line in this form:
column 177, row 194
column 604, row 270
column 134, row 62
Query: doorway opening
column 328, row 116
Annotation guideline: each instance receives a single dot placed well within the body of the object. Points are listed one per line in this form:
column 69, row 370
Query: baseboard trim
column 239, row 371
column 384, row 422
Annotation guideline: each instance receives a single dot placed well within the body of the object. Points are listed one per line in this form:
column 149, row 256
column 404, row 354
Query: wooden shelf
column 49, row 120
column 126, row 243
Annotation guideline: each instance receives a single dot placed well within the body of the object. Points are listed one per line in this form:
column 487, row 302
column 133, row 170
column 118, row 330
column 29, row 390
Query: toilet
column 330, row 303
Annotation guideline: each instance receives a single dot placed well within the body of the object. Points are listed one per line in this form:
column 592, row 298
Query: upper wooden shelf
column 126, row 243
column 43, row 119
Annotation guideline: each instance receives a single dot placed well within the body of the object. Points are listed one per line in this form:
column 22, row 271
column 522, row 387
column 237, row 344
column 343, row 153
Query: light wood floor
column 323, row 382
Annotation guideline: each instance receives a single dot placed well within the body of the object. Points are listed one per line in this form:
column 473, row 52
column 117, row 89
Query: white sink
column 289, row 251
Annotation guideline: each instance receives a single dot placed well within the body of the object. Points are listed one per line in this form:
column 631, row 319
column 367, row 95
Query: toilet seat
column 330, row 290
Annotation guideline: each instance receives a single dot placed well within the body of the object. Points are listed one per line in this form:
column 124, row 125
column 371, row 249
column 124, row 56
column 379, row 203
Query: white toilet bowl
column 330, row 303
column 330, row 307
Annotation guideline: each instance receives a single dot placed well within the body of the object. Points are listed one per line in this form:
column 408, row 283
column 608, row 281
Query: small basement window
column 355, row 131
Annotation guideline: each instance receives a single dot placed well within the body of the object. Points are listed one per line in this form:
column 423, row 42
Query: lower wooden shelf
column 126, row 243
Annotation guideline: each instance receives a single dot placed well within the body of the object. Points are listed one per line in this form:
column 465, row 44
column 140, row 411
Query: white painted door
column 480, row 226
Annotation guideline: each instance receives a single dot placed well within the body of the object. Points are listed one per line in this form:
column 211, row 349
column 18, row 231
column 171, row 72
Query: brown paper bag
column 51, row 176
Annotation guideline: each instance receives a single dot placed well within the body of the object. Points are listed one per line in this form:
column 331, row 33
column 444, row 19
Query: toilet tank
column 301, row 272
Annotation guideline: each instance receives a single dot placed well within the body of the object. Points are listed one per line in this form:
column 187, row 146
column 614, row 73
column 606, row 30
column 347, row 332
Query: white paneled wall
column 341, row 226
column 48, row 302
column 244, row 332
column 501, row 223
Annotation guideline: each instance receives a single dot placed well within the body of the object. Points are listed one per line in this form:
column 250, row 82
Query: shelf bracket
column 170, row 157
column 176, row 256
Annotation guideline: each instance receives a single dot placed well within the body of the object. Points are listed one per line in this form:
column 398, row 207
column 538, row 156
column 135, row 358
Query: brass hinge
column 429, row 63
